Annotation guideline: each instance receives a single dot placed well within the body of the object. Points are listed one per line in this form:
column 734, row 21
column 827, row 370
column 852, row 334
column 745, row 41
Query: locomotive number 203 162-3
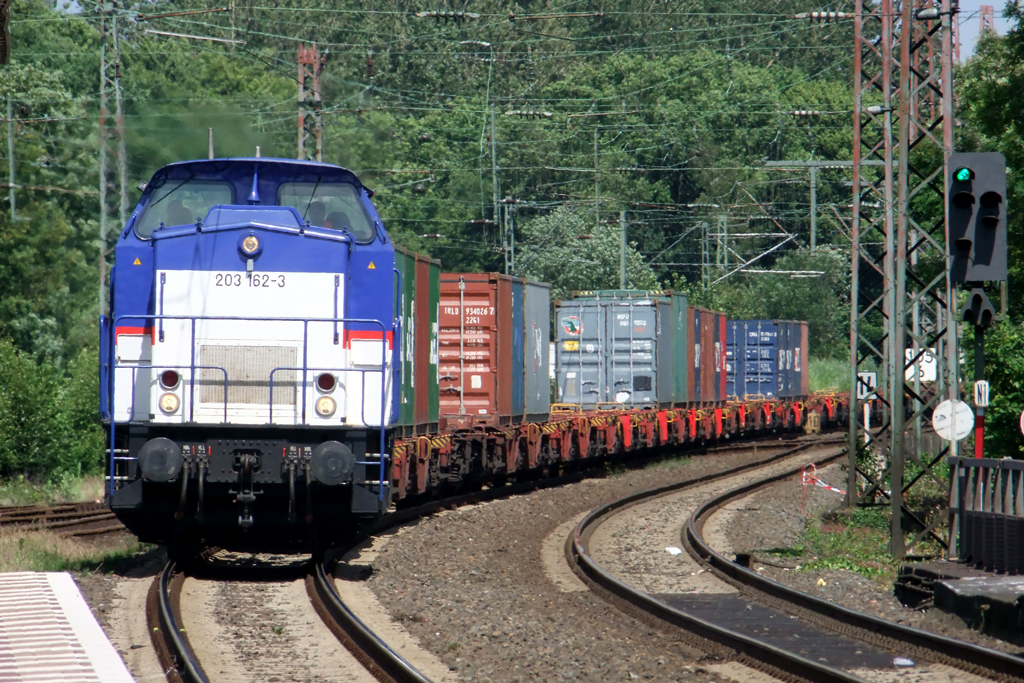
column 253, row 280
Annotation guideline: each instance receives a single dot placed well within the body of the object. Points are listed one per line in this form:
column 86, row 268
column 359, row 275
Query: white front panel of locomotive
column 230, row 327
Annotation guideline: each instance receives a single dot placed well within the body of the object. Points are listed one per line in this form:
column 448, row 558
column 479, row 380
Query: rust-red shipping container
column 692, row 361
column 708, row 385
column 475, row 349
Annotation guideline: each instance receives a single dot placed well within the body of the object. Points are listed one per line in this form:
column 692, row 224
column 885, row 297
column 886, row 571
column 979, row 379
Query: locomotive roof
column 269, row 167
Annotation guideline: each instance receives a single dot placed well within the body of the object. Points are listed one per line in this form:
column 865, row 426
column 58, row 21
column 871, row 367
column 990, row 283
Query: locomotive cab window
column 180, row 202
column 335, row 206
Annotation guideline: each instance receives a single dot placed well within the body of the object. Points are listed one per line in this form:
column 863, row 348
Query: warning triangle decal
column 137, row 262
column 371, row 266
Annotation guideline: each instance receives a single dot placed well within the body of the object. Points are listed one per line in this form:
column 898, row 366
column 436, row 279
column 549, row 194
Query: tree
column 567, row 250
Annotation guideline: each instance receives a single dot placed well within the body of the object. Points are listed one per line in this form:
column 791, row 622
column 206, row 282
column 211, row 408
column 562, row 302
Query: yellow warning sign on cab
column 371, row 266
column 137, row 262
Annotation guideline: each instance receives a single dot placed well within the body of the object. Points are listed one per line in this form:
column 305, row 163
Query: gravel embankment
column 772, row 518
column 471, row 585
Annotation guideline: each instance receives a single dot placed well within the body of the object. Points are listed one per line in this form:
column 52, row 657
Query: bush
column 49, row 426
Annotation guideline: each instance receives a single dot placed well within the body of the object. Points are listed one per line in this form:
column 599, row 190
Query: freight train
column 276, row 373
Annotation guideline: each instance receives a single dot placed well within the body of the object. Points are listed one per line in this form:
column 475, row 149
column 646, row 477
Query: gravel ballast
column 471, row 584
column 772, row 518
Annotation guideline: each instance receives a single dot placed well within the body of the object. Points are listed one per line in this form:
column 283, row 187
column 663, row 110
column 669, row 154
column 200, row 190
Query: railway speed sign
column 953, row 420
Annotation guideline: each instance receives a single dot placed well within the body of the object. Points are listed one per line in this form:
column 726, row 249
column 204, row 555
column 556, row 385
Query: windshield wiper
column 177, row 187
column 318, row 179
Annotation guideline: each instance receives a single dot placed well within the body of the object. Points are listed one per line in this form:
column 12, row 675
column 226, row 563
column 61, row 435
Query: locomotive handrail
column 150, row 318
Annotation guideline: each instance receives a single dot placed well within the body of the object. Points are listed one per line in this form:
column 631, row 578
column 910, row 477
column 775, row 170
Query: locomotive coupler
column 247, row 463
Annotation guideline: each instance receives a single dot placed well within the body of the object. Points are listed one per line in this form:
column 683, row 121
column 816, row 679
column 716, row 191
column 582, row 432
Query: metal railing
column 986, row 513
column 192, row 367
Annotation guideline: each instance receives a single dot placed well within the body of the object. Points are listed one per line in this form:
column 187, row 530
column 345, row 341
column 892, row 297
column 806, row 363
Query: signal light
column 326, row 382
column 976, row 227
column 169, row 379
column 978, row 310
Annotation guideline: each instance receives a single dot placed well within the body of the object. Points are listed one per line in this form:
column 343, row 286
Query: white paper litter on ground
column 672, row 550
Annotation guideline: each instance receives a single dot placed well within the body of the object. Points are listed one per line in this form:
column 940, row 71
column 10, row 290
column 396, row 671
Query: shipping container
column 518, row 350
column 675, row 364
column 428, row 294
column 614, row 351
column 475, row 349
column 416, row 306
column 770, row 358
column 537, row 381
column 405, row 265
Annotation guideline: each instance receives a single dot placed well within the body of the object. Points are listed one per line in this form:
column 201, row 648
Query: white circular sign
column 953, row 421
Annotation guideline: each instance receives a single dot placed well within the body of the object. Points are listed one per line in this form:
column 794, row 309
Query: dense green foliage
column 667, row 111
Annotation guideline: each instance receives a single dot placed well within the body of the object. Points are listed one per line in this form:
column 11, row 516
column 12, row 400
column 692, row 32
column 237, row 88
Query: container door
column 691, row 357
column 632, row 330
column 538, row 332
column 663, row 353
column 468, row 339
column 579, row 350
column 680, row 351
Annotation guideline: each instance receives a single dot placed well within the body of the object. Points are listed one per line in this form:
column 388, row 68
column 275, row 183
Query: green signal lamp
column 963, row 175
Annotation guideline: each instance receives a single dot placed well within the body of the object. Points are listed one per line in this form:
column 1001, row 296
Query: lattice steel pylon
column 311, row 123
column 903, row 305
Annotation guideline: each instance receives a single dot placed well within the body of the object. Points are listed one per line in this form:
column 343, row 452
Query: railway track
column 67, row 519
column 182, row 665
column 766, row 625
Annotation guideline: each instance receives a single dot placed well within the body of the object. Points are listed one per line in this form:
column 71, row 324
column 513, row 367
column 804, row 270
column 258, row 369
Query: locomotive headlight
column 169, row 403
column 325, row 406
column 250, row 245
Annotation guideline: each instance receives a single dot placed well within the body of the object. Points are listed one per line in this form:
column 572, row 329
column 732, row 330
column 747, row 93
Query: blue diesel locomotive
column 247, row 382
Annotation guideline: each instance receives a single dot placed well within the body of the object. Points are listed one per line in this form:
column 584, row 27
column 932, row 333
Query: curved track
column 716, row 629
column 182, row 665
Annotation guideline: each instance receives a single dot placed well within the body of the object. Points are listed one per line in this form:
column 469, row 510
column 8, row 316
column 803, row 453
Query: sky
column 970, row 22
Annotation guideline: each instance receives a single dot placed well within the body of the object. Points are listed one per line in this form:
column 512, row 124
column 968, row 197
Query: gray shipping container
column 537, row 311
column 614, row 351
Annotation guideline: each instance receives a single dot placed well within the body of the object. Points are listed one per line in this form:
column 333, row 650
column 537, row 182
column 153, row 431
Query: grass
column 22, row 491
column 45, row 551
column 854, row 540
column 829, row 373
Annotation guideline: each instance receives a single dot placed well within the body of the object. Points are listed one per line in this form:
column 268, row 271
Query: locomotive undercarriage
column 246, row 488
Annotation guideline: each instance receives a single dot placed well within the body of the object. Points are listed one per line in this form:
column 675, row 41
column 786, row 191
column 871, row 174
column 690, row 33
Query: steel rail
column 372, row 652
column 745, row 648
column 172, row 647
column 943, row 649
column 365, row 645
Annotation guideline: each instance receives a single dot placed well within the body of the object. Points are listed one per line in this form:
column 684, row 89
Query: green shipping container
column 419, row 297
column 680, row 330
column 405, row 264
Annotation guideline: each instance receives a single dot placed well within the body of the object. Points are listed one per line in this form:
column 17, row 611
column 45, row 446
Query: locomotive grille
column 248, row 369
